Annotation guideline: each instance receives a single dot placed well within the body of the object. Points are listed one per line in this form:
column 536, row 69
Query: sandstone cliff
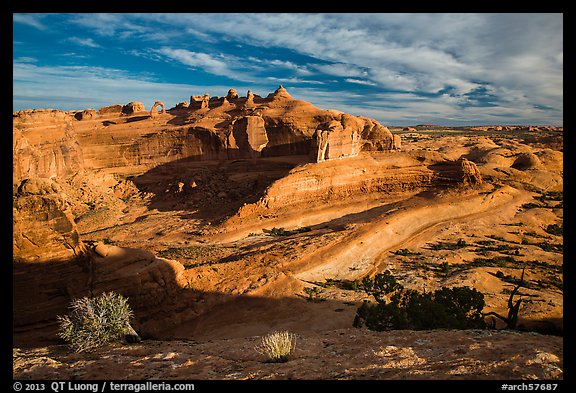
column 122, row 140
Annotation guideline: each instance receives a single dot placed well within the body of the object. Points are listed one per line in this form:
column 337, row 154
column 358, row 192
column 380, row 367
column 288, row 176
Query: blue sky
column 400, row 69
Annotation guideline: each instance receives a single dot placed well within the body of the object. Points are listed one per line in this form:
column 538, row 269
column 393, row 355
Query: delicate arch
column 154, row 112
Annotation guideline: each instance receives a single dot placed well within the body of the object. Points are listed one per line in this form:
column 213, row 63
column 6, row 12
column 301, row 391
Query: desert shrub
column 554, row 229
column 277, row 346
column 96, row 321
column 314, row 294
column 406, row 252
column 278, row 232
column 400, row 308
column 461, row 243
column 531, row 205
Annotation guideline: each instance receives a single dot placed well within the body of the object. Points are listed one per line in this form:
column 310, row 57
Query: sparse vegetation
column 406, row 252
column 400, row 308
column 461, row 243
column 314, row 294
column 94, row 322
column 277, row 346
column 348, row 285
column 278, row 232
column 555, row 229
column 283, row 232
column 531, row 205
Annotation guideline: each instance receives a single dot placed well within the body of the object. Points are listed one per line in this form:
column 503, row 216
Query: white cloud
column 197, row 60
column 298, row 69
column 340, row 69
column 89, row 42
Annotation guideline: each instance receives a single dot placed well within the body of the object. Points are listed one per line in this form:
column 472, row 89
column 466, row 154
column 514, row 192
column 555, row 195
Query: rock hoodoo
column 232, row 95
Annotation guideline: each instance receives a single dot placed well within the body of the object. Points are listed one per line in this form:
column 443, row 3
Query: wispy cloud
column 26, row 59
column 293, row 80
column 360, row 82
column 34, row 20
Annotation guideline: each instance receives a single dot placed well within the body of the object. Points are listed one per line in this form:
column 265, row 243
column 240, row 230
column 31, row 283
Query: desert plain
column 224, row 219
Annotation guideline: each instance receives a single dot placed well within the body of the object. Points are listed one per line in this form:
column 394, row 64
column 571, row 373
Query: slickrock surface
column 333, row 355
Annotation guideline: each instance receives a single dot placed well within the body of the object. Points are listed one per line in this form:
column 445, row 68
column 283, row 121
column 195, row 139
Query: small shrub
column 314, row 294
column 461, row 243
column 406, row 252
column 445, row 267
column 277, row 346
column 554, row 229
column 94, row 322
column 531, row 205
column 278, row 232
column 400, row 308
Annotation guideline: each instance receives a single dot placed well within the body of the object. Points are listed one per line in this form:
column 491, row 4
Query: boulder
column 86, row 114
column 526, row 161
column 133, row 107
